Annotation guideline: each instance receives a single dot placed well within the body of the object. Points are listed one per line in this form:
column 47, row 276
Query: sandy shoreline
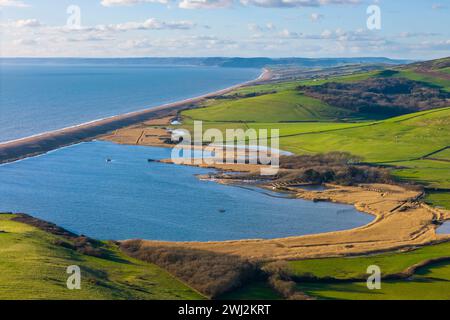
column 42, row 143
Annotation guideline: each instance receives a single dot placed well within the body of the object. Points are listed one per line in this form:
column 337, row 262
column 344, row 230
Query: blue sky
column 417, row 29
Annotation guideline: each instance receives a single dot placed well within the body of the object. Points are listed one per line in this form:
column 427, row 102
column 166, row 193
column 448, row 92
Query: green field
column 33, row 266
column 355, row 267
column 411, row 75
column 438, row 198
column 282, row 106
column 442, row 155
column 429, row 283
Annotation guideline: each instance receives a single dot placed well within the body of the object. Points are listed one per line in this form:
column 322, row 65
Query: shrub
column 382, row 95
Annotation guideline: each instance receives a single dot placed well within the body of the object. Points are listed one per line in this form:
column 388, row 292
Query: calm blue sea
column 43, row 95
column 75, row 187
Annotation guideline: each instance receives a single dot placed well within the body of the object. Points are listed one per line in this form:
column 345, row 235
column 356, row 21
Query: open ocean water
column 43, row 95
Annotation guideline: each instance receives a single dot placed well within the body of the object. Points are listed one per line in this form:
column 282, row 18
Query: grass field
column 433, row 174
column 443, row 155
column 355, row 267
column 282, row 106
column 32, row 266
column 438, row 198
column 412, row 75
column 429, row 282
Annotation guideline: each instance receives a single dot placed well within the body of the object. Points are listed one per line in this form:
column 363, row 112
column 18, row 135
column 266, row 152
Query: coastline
column 400, row 222
column 37, row 144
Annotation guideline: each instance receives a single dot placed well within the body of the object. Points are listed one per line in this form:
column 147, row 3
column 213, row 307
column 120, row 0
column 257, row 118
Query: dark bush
column 382, row 95
column 336, row 167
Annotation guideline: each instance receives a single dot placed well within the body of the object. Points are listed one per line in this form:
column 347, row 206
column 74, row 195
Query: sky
column 411, row 29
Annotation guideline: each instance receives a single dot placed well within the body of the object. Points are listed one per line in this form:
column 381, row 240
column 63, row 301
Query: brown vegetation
column 210, row 273
column 280, row 280
column 336, row 167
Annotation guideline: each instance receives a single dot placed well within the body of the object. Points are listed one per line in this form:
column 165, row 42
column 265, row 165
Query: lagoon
column 129, row 197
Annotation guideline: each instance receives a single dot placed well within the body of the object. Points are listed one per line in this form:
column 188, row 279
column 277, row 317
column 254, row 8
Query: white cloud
column 112, row 3
column 204, row 4
column 32, row 23
column 326, row 34
column 25, row 42
column 437, row 6
column 316, row 17
column 13, row 3
column 295, row 3
column 215, row 4
column 149, row 24
column 289, row 34
column 270, row 26
column 253, row 27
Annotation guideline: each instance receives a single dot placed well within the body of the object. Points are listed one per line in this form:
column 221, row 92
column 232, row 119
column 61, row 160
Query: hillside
column 365, row 96
column 33, row 265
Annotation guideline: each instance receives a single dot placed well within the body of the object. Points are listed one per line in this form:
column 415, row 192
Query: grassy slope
column 283, row 103
column 398, row 139
column 277, row 107
column 32, row 266
column 438, row 198
column 412, row 75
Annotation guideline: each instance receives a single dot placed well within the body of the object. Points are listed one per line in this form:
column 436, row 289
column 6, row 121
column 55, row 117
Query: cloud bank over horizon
column 273, row 28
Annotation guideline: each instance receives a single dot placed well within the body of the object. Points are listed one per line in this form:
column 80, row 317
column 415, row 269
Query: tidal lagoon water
column 444, row 229
column 42, row 95
column 129, row 197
